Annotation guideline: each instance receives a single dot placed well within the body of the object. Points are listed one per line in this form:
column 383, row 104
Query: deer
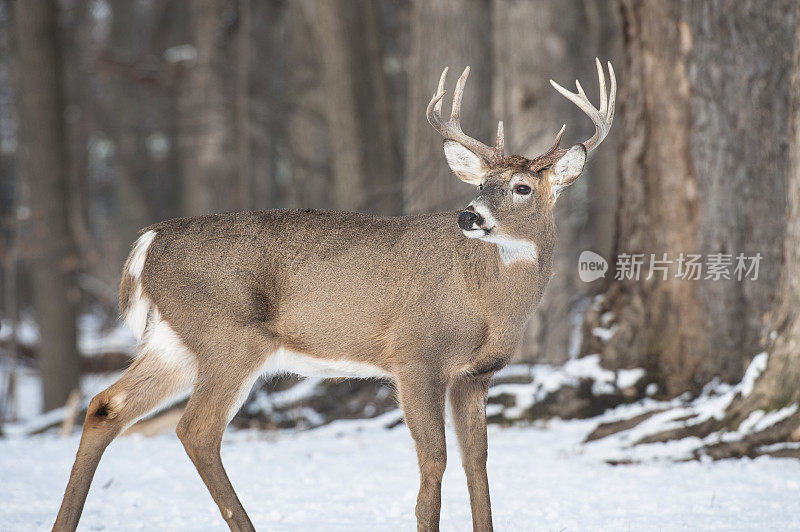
column 435, row 303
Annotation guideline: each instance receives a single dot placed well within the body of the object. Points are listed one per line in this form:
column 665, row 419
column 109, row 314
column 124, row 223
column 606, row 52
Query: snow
column 362, row 475
column 29, row 393
column 758, row 365
column 605, row 333
column 94, row 337
column 27, row 331
column 547, row 379
column 357, row 475
column 685, row 411
column 758, row 421
column 629, row 377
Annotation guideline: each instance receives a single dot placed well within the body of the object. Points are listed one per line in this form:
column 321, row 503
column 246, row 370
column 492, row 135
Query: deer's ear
column 468, row 166
column 567, row 168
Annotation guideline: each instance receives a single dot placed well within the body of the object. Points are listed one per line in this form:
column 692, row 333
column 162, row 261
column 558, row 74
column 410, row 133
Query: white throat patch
column 513, row 249
column 510, row 249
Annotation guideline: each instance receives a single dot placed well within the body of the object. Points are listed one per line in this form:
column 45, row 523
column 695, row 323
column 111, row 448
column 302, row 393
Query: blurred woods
column 114, row 115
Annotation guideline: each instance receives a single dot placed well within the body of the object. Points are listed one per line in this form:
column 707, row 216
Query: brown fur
column 409, row 295
column 412, row 296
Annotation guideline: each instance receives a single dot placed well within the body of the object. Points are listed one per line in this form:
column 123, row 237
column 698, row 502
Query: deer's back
column 324, row 283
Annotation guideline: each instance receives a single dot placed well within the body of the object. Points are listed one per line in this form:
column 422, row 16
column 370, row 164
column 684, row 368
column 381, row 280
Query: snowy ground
column 359, row 476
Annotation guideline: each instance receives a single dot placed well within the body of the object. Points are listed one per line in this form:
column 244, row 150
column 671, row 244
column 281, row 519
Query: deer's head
column 516, row 195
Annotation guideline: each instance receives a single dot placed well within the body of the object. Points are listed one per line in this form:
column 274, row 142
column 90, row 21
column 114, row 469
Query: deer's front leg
column 422, row 401
column 467, row 400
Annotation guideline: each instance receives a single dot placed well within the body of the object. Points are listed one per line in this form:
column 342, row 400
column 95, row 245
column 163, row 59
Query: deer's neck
column 510, row 275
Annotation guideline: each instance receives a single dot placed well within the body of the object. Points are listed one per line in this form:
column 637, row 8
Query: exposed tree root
column 738, row 433
column 766, row 442
column 604, row 430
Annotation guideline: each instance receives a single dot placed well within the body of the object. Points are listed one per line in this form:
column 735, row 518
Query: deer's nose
column 469, row 220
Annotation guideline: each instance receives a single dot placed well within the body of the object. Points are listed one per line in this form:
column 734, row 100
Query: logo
column 591, row 266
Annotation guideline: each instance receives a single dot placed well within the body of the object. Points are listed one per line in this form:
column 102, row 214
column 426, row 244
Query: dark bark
column 330, row 28
column 777, row 387
column 208, row 116
column 380, row 135
column 658, row 324
column 692, row 182
column 739, row 73
column 308, row 144
column 270, row 171
column 243, row 40
column 455, row 34
column 44, row 162
column 533, row 112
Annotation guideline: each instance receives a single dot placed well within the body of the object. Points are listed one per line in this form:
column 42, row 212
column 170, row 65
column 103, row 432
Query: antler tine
column 500, row 143
column 557, row 141
column 603, row 117
column 455, row 114
column 602, row 77
column 612, row 97
column 580, row 89
column 551, row 155
column 440, row 92
column 451, row 129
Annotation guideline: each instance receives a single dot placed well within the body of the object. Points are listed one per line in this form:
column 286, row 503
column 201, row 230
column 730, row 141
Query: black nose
column 468, row 220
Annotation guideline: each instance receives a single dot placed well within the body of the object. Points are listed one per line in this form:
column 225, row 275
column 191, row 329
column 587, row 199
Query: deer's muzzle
column 469, row 220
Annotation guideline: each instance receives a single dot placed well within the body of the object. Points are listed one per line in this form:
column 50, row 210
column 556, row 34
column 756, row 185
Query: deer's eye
column 522, row 190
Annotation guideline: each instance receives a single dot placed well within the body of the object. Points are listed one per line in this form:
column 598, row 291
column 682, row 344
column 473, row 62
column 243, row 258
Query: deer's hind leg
column 147, row 383
column 223, row 382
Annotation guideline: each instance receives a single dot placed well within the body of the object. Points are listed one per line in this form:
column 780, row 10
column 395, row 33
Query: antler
column 451, row 129
column 603, row 117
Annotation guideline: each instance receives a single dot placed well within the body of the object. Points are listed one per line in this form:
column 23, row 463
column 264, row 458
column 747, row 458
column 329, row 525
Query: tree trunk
column 381, row 148
column 271, row 176
column 533, row 112
column 777, row 386
column 243, row 106
column 208, row 119
column 429, row 185
column 690, row 183
column 739, row 72
column 43, row 161
column 308, row 143
column 329, row 25
column 658, row 324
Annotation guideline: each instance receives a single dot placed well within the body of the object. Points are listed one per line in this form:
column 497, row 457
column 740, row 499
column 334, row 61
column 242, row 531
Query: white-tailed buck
column 436, row 303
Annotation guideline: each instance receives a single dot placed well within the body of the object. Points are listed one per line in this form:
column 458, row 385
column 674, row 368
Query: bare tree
column 775, row 388
column 454, row 34
column 340, row 105
column 243, row 43
column 44, row 162
column 532, row 112
column 696, row 177
column 739, row 72
column 208, row 116
column 268, row 69
column 308, row 141
column 370, row 43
